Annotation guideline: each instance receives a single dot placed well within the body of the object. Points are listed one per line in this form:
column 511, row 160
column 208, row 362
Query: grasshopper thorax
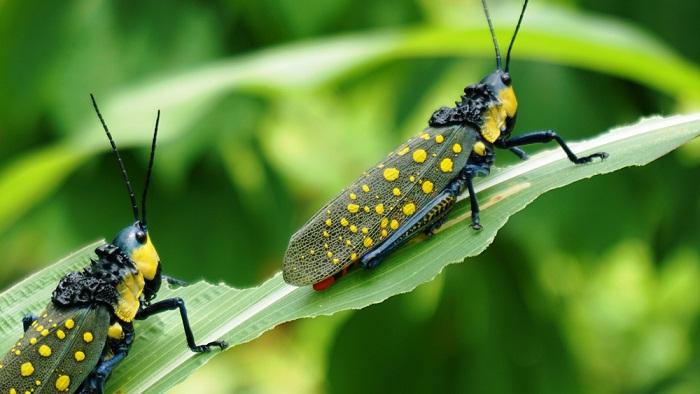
column 489, row 106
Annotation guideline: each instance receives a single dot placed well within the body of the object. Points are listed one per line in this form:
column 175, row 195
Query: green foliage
column 270, row 108
column 241, row 315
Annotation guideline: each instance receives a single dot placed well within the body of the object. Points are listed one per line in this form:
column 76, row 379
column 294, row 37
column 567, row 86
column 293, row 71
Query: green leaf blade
column 160, row 358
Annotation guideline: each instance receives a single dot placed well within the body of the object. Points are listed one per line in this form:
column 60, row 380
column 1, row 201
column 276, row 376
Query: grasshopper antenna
column 119, row 160
column 493, row 35
column 148, row 174
column 512, row 40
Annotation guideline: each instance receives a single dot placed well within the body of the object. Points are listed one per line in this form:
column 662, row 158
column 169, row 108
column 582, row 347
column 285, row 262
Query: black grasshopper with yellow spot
column 415, row 186
column 87, row 328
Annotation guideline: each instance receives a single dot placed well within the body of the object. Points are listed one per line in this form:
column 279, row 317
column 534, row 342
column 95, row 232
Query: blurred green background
column 270, row 107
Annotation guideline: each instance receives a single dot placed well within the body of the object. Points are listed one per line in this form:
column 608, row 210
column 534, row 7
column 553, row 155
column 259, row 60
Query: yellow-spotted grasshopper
column 87, row 327
column 416, row 185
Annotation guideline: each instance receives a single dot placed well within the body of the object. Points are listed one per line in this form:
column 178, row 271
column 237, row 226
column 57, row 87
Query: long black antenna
column 493, row 35
column 512, row 40
column 119, row 160
column 148, row 174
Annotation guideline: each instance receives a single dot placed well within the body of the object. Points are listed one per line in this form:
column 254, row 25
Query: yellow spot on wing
column 326, row 234
column 44, row 350
column 343, row 222
column 427, row 187
column 18, row 352
column 396, row 191
column 79, row 356
column 353, row 196
column 32, row 341
column 365, row 230
column 384, row 222
column 409, row 209
column 44, row 332
column 456, row 148
column 367, row 242
column 419, row 155
column 87, row 337
column 446, row 165
column 366, row 208
column 353, row 228
column 384, row 233
column 353, row 208
column 379, row 208
column 62, row 382
column 60, row 334
column 329, row 254
column 69, row 324
column 353, row 257
column 439, row 139
column 391, row 174
column 365, row 188
column 26, row 369
column 394, row 224
column 425, row 136
column 329, row 222
column 412, row 178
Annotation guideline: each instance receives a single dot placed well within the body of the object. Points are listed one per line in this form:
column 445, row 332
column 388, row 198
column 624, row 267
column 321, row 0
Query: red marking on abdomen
column 324, row 284
column 328, row 282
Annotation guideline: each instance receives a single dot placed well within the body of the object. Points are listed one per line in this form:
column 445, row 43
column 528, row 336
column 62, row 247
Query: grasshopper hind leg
column 427, row 219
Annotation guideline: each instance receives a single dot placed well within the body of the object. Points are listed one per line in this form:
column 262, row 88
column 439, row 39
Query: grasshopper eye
column 141, row 236
column 505, row 78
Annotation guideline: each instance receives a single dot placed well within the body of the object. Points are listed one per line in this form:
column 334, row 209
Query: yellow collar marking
column 495, row 117
column 146, row 259
column 129, row 289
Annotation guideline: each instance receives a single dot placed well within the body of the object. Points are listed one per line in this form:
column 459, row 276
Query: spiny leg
column 177, row 303
column 113, row 354
column 547, row 136
column 430, row 231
